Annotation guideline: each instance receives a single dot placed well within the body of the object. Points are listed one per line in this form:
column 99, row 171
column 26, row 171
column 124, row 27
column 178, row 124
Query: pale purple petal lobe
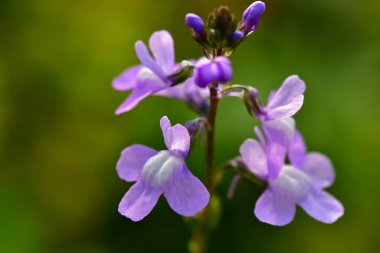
column 275, row 209
column 162, row 46
column 281, row 131
column 132, row 161
column 147, row 60
column 297, row 150
column 128, row 79
column 287, row 110
column 275, row 158
column 147, row 84
column 139, row 201
column 322, row 206
column 185, row 193
column 177, row 138
column 254, row 158
column 320, row 169
column 165, row 124
column 292, row 87
column 279, row 134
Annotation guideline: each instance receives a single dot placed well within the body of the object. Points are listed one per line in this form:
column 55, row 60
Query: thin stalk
column 211, row 136
column 199, row 240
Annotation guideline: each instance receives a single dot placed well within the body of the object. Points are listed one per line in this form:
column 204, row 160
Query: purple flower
column 207, row 71
column 286, row 101
column 301, row 183
column 161, row 172
column 251, row 16
column 276, row 120
column 150, row 77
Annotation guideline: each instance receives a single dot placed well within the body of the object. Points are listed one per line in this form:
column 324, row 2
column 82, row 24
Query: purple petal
column 127, row 80
column 180, row 91
column 322, row 206
column 292, row 87
column 281, row 131
column 320, row 169
column 139, row 201
column 177, row 92
column 285, row 111
column 188, row 91
column 132, row 161
column 160, row 168
column 275, row 208
column 297, row 150
column 254, row 158
column 165, row 124
column 225, row 70
column 207, row 71
column 177, row 138
column 195, row 95
column 275, row 158
column 279, row 134
column 147, row 60
column 147, row 84
column 185, row 193
column 162, row 46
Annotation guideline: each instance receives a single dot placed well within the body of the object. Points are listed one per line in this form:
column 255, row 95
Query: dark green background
column 60, row 139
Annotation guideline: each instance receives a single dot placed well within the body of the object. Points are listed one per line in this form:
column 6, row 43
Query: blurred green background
column 60, row 139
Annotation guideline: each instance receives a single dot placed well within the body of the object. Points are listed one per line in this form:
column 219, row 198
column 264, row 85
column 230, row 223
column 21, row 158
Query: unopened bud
column 251, row 16
column 195, row 23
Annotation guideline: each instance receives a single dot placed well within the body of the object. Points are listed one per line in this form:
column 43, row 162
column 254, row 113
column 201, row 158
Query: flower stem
column 199, row 240
column 211, row 135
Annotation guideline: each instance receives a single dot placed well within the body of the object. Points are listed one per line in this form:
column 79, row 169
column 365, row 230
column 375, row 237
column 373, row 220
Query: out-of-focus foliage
column 59, row 139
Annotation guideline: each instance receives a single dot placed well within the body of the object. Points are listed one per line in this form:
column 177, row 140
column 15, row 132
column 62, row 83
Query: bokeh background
column 60, row 139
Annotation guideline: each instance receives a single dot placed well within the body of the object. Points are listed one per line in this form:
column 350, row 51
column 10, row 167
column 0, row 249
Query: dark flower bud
column 252, row 102
column 223, row 22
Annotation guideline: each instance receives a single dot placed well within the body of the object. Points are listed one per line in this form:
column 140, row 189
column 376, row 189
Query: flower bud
column 195, row 23
column 251, row 16
column 206, row 72
column 253, row 103
column 184, row 71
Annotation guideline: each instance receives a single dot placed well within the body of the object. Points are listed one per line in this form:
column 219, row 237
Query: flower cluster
column 201, row 84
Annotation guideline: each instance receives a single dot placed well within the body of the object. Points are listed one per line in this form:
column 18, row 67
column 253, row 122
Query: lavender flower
column 251, row 16
column 301, row 183
column 276, row 119
column 157, row 172
column 153, row 75
column 218, row 70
